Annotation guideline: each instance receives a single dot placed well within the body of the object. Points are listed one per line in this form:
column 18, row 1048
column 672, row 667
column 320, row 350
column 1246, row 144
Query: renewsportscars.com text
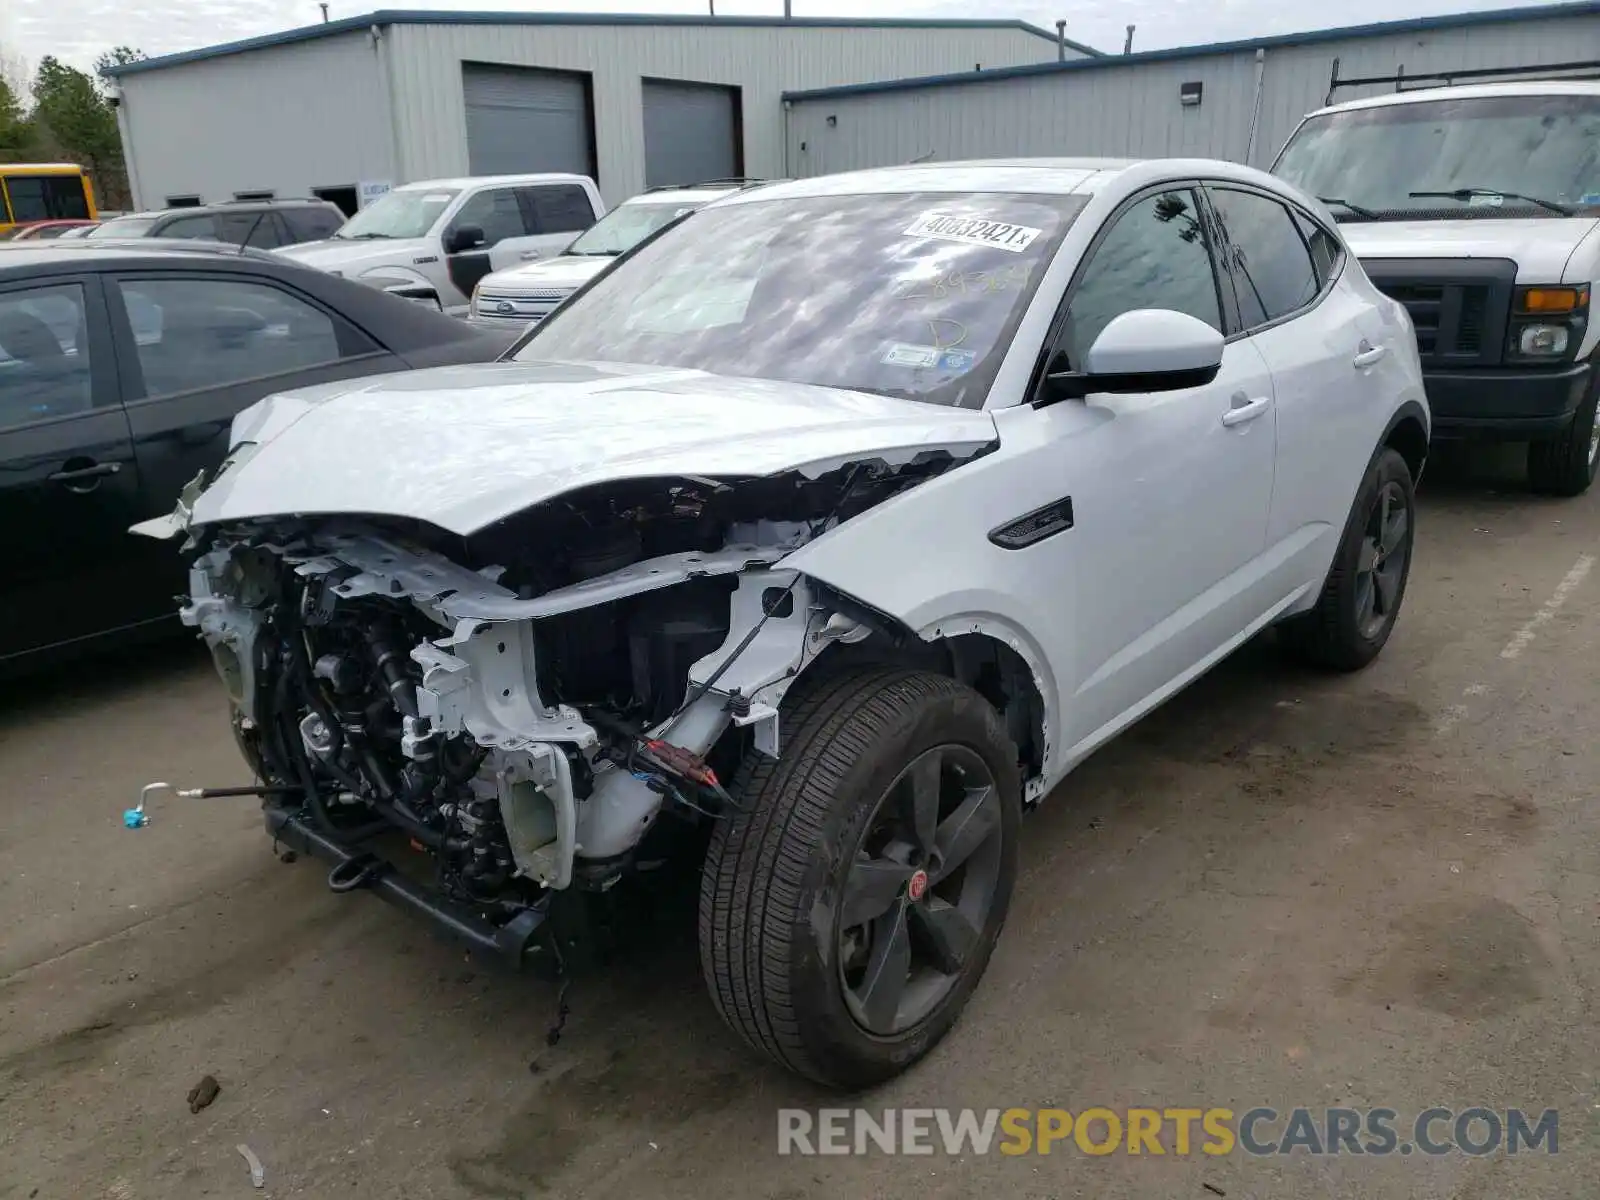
column 1160, row 1131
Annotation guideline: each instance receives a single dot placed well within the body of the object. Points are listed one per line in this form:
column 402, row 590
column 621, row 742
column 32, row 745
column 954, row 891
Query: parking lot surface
column 1282, row 889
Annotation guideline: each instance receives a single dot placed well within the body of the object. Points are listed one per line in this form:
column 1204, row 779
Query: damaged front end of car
column 491, row 729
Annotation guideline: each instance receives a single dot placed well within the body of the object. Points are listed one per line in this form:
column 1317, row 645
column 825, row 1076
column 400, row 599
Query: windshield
column 408, row 214
column 1542, row 148
column 903, row 295
column 122, row 227
column 626, row 226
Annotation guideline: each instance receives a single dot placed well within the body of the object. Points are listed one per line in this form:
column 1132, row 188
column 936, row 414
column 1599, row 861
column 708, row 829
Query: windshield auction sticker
column 973, row 231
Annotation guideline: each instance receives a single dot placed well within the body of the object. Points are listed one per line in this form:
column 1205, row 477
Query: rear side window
column 207, row 333
column 1272, row 268
column 260, row 228
column 44, row 354
column 46, row 197
column 190, row 227
column 312, row 224
column 1326, row 252
column 560, row 208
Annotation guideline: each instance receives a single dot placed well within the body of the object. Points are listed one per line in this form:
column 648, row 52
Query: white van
column 1478, row 207
column 432, row 241
column 528, row 292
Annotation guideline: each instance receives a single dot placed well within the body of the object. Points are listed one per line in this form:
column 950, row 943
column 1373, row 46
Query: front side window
column 1272, row 268
column 207, row 333
column 625, row 226
column 910, row 295
column 1156, row 255
column 44, row 363
column 1482, row 156
column 47, row 197
column 204, row 226
column 259, row 228
column 400, row 214
column 496, row 212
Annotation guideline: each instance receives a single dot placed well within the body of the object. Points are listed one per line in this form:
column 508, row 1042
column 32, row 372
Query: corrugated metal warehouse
column 1238, row 100
column 398, row 96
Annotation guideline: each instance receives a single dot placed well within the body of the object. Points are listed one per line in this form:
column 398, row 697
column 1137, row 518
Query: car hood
column 1539, row 247
column 351, row 256
column 463, row 447
column 566, row 271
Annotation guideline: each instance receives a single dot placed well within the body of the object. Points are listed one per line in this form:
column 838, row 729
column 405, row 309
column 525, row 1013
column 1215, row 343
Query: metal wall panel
column 520, row 119
column 691, row 132
column 763, row 62
column 1132, row 108
column 287, row 120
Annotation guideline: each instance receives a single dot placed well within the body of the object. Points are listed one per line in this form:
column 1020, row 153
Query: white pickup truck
column 1478, row 207
column 432, row 241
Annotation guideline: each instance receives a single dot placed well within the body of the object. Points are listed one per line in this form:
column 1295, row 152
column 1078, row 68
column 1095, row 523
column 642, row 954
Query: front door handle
column 1244, row 410
column 528, row 255
column 85, row 477
column 1368, row 354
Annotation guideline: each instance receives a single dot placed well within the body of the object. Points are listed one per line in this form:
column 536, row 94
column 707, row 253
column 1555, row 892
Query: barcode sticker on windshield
column 973, row 231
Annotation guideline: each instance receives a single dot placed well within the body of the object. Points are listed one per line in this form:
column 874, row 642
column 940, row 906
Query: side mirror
column 1146, row 350
column 465, row 237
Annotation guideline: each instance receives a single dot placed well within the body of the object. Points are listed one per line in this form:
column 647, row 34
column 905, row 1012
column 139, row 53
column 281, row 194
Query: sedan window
column 44, row 363
column 1155, row 256
column 1273, row 272
column 207, row 333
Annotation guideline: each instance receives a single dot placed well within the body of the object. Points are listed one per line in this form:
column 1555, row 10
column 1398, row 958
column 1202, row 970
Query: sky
column 78, row 30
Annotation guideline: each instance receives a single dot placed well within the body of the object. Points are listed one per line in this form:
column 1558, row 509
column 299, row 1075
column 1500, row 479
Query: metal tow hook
column 137, row 817
column 355, row 873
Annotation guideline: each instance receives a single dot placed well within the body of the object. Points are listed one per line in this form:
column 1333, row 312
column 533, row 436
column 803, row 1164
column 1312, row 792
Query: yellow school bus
column 43, row 192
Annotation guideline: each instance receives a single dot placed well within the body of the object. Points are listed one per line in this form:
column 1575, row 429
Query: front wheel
column 1361, row 597
column 848, row 909
column 1565, row 464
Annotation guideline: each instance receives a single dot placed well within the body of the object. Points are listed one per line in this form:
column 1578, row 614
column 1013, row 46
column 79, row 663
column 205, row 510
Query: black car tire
column 1339, row 633
column 1565, row 464
column 774, row 884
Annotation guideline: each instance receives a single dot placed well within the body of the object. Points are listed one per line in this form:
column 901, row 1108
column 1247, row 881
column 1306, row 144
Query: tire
column 785, row 873
column 1341, row 633
column 1565, row 464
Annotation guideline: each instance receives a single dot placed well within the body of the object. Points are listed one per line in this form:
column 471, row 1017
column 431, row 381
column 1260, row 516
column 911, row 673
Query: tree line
column 62, row 114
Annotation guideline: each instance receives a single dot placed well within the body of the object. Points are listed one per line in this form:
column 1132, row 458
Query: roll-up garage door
column 691, row 132
column 523, row 120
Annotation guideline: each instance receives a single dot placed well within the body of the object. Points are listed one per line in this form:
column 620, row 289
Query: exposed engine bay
column 526, row 704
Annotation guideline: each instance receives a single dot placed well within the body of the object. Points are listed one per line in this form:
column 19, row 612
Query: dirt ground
column 1281, row 889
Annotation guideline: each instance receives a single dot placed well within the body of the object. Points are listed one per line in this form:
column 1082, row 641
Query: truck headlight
column 1547, row 322
column 1542, row 341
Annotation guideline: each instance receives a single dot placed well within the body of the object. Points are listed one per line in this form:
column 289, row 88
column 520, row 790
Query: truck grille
column 1459, row 309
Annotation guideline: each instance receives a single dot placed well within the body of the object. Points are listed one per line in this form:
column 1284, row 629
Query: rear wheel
column 1361, row 597
column 1565, row 464
column 847, row 913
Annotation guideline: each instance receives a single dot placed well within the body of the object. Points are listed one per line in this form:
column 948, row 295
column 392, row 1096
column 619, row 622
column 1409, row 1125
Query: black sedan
column 122, row 365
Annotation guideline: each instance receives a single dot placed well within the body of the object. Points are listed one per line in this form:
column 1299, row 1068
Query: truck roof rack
column 734, row 181
column 1588, row 69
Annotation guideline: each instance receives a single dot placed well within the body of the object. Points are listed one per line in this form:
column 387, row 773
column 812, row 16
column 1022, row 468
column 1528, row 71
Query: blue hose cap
column 134, row 819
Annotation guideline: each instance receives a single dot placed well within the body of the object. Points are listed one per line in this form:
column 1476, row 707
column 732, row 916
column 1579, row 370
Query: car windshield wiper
column 596, row 253
column 1355, row 208
column 358, row 237
column 1465, row 195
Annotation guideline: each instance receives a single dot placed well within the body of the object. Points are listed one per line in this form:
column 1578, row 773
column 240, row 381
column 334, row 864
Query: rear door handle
column 1244, row 410
column 1368, row 354
column 79, row 474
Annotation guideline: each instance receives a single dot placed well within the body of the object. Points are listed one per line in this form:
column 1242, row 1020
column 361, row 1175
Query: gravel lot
column 1280, row 889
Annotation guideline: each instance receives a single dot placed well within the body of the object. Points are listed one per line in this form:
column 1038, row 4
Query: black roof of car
column 18, row 257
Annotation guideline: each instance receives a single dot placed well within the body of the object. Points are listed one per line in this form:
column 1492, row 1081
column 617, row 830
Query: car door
column 1319, row 342
column 199, row 346
column 507, row 228
column 1169, row 490
column 69, row 481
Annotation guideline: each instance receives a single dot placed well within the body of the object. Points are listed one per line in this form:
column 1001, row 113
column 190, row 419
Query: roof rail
column 733, row 181
column 1587, row 69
